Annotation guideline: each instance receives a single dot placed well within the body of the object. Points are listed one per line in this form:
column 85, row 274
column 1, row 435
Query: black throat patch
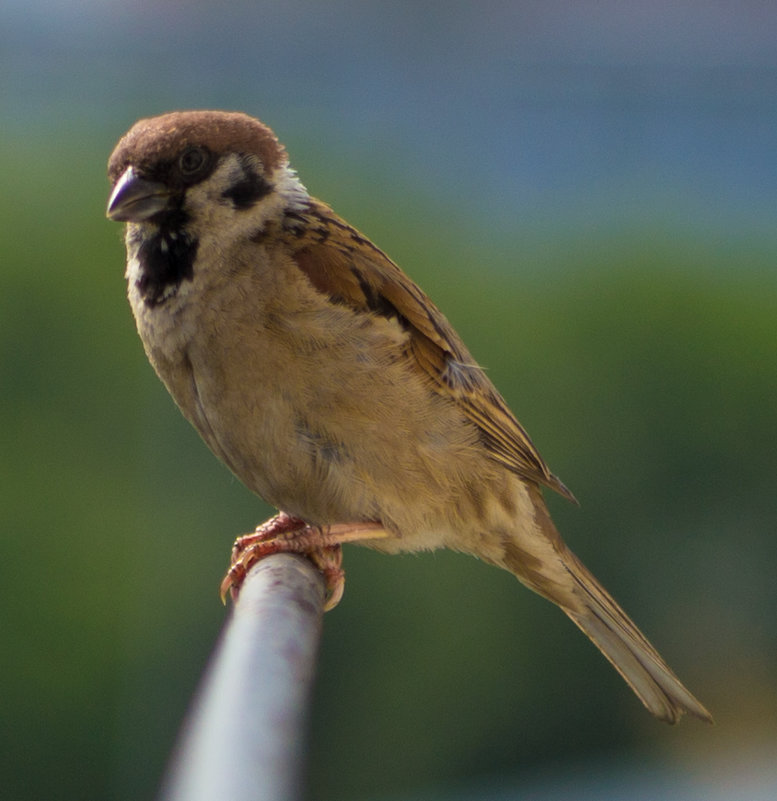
column 166, row 260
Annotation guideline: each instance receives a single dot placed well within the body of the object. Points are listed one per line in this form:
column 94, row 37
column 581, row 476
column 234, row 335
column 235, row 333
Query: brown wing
column 344, row 264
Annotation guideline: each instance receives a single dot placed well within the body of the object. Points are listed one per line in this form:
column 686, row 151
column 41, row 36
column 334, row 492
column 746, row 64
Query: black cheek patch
column 248, row 190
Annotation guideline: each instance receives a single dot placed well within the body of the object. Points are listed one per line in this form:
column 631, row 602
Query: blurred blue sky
column 596, row 112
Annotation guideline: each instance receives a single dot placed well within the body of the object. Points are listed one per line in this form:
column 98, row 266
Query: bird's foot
column 286, row 534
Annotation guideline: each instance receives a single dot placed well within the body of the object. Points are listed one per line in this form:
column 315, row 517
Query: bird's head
column 190, row 180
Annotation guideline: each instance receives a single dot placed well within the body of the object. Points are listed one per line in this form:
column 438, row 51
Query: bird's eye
column 192, row 161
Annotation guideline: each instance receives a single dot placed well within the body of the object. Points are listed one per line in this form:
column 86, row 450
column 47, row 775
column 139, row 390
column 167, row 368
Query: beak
column 135, row 199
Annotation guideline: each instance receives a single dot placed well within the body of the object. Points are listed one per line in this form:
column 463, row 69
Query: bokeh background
column 589, row 191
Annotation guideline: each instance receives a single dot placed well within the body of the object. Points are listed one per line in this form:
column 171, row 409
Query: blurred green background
column 589, row 193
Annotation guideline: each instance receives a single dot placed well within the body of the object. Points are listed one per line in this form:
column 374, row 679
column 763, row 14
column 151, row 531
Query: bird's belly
column 324, row 417
column 340, row 439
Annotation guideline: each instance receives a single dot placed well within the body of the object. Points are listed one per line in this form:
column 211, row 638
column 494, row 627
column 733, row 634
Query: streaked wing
column 345, row 265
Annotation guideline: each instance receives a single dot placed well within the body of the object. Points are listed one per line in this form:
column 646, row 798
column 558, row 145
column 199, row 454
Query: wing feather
column 346, row 266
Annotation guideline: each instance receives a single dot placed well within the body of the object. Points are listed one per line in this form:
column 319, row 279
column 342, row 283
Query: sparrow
column 331, row 385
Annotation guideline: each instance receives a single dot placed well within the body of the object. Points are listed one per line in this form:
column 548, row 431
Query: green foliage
column 644, row 368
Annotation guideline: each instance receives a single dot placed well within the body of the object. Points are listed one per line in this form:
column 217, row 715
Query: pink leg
column 286, row 534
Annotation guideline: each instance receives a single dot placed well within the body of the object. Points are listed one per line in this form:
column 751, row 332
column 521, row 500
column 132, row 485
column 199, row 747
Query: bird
column 331, row 385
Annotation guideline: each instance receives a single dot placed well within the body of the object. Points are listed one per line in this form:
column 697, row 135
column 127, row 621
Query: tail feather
column 627, row 649
column 543, row 562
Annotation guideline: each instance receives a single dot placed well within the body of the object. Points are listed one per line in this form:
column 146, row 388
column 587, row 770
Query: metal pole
column 245, row 734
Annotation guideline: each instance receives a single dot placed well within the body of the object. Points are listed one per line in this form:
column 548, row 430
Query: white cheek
column 218, row 217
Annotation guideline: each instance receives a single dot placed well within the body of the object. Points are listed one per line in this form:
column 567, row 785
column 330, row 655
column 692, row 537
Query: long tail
column 556, row 573
column 628, row 650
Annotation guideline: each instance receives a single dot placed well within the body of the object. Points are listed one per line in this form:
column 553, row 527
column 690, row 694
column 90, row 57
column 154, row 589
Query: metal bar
column 244, row 736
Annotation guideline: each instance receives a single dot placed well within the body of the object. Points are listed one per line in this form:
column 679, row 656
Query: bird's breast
column 317, row 409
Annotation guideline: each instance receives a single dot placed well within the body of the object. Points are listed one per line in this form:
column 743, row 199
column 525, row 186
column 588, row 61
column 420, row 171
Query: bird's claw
column 286, row 534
